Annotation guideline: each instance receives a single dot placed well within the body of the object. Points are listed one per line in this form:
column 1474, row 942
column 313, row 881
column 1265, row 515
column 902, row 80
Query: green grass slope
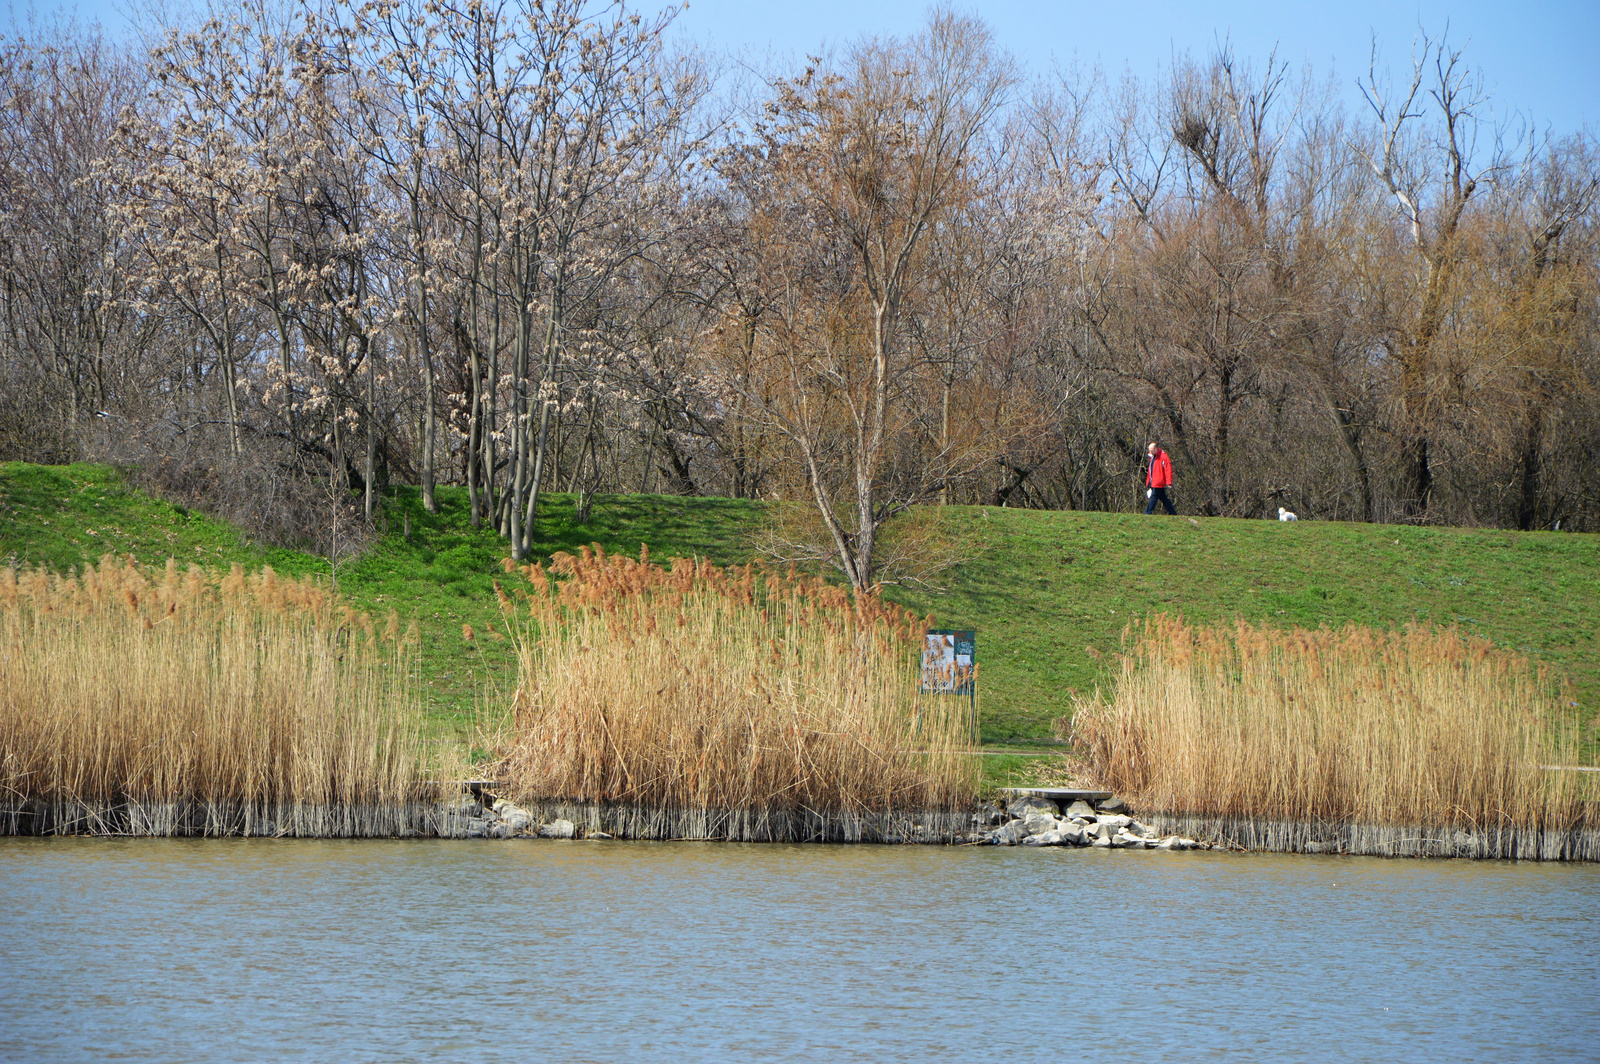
column 441, row 575
column 1049, row 593
column 1048, row 586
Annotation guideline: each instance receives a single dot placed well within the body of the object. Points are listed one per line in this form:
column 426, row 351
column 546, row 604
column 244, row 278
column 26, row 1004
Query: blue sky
column 1539, row 59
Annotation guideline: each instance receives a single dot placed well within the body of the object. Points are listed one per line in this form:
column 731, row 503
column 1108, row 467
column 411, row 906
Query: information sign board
column 949, row 661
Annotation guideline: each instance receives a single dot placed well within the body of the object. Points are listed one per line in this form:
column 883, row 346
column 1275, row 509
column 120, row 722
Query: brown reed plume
column 691, row 687
column 123, row 685
column 1423, row 727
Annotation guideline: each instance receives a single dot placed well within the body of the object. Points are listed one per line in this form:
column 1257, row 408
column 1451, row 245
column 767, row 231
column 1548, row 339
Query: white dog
column 1285, row 515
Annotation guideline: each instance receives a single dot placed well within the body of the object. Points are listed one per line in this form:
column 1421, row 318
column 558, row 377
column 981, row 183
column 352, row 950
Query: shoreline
column 465, row 818
column 1578, row 844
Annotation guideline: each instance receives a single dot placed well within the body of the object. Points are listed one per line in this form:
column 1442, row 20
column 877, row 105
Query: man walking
column 1157, row 479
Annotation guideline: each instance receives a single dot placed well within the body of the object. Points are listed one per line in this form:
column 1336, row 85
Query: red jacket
column 1160, row 475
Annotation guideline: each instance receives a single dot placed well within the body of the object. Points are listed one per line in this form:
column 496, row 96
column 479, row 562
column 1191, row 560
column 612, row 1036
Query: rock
column 1316, row 847
column 1080, row 808
column 1016, row 830
column 1072, row 835
column 499, row 831
column 1115, row 822
column 1039, row 823
column 1100, row 842
column 990, row 813
column 1010, row 834
column 1129, row 841
column 558, row 829
column 1102, row 831
column 1143, row 829
column 477, row 827
column 1032, row 804
column 1112, row 805
column 1171, row 842
column 464, row 806
column 518, row 819
column 1048, row 838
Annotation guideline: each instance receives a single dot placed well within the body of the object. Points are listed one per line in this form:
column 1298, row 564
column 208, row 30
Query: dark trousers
column 1161, row 494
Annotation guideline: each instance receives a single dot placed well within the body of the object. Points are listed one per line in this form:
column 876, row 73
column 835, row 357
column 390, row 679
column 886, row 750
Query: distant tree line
column 527, row 247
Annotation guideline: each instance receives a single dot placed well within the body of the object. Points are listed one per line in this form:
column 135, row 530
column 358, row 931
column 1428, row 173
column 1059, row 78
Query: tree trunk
column 548, row 400
column 474, row 421
column 1222, row 494
column 430, row 427
column 1351, row 435
column 519, row 412
column 370, row 470
column 1530, row 473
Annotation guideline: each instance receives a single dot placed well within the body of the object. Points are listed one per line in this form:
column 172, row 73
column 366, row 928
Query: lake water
column 221, row 950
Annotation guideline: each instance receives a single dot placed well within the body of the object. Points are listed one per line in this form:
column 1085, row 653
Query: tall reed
column 691, row 687
column 1423, row 727
column 135, row 687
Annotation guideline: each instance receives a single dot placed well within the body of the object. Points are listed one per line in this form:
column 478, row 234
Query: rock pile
column 1037, row 821
column 1031, row 820
column 468, row 818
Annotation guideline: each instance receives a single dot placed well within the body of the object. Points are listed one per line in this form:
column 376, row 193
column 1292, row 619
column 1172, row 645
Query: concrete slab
column 1059, row 794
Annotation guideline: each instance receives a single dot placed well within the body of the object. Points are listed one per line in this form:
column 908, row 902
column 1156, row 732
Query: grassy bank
column 441, row 574
column 1049, row 593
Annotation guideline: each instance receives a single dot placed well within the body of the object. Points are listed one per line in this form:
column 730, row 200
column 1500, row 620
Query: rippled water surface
column 214, row 950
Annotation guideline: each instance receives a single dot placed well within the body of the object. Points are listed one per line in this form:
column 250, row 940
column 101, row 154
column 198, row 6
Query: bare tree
column 70, row 339
column 879, row 151
column 1432, row 169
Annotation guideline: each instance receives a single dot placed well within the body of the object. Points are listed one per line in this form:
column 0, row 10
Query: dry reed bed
column 727, row 703
column 192, row 702
column 1421, row 742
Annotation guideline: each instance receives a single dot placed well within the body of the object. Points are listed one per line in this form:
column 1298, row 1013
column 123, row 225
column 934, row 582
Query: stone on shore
column 558, row 829
column 990, row 814
column 1009, row 834
column 1039, row 823
column 1080, row 809
column 1032, row 804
